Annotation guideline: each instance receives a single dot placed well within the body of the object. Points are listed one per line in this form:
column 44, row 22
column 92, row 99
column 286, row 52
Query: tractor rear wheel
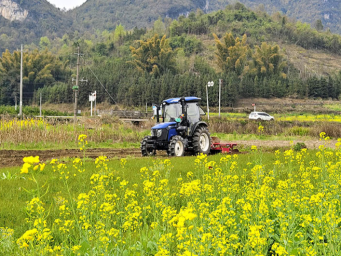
column 147, row 151
column 201, row 141
column 176, row 146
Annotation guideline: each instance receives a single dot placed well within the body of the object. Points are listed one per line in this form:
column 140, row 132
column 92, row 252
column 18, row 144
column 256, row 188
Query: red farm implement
column 218, row 147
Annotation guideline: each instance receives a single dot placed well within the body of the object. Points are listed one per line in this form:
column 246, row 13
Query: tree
column 159, row 27
column 101, row 49
column 182, row 61
column 39, row 69
column 119, row 34
column 154, row 56
column 44, row 42
column 267, row 61
column 231, row 53
column 319, row 25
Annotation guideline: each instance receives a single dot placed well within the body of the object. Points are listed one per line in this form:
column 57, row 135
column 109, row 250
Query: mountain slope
column 106, row 14
column 26, row 21
column 328, row 11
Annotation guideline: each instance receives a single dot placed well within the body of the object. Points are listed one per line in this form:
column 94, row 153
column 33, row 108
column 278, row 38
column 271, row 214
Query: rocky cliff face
column 12, row 11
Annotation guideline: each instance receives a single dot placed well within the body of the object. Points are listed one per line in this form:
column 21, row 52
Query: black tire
column 144, row 150
column 176, row 146
column 259, row 119
column 201, row 141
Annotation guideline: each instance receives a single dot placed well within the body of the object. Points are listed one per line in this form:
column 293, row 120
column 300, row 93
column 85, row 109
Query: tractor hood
column 163, row 125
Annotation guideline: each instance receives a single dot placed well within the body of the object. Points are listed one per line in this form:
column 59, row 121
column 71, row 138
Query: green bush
column 299, row 146
column 31, row 111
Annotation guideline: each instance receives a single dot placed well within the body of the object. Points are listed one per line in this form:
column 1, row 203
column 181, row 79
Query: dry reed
column 30, row 131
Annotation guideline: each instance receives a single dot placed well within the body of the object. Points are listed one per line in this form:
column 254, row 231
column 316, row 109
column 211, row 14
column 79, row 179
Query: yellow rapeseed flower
column 25, row 168
column 31, row 160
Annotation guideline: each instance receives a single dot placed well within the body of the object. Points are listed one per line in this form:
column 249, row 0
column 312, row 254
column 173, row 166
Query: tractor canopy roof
column 177, row 100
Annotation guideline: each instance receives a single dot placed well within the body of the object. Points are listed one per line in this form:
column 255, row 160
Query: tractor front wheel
column 202, row 141
column 146, row 151
column 176, row 146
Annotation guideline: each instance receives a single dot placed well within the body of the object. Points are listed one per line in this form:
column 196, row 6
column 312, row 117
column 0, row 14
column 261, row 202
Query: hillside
column 106, row 14
column 328, row 11
column 26, row 21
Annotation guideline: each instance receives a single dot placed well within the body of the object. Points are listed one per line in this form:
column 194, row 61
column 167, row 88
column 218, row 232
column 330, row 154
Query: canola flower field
column 22, row 124
column 287, row 203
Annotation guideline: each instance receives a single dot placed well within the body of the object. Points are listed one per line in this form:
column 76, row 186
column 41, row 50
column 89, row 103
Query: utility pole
column 21, row 82
column 76, row 87
column 209, row 84
column 220, row 82
column 208, row 110
column 40, row 105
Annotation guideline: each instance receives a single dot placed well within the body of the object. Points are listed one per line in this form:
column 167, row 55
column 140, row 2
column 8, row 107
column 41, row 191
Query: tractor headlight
column 159, row 133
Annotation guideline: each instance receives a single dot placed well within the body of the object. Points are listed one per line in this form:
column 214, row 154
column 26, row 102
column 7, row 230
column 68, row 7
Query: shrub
column 298, row 131
column 299, row 146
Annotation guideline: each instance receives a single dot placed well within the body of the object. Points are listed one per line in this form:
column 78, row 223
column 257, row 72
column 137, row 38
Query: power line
column 102, row 85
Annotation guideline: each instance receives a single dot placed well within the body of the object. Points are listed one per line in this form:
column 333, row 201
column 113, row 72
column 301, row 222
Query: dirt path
column 15, row 157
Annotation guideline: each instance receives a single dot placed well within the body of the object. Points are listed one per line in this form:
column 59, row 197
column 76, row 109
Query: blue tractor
column 181, row 129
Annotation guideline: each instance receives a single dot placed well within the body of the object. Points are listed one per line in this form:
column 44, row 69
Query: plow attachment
column 218, row 147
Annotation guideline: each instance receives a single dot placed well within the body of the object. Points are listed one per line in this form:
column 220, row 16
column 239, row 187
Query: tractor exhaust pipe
column 183, row 105
column 157, row 115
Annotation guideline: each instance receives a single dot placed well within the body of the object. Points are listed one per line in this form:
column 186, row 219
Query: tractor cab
column 181, row 128
column 172, row 110
column 177, row 109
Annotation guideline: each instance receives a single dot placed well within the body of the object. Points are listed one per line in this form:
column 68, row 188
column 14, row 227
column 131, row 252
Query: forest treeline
column 175, row 58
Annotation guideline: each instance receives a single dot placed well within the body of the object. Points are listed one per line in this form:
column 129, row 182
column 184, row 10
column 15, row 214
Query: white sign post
column 92, row 98
column 94, row 95
column 209, row 84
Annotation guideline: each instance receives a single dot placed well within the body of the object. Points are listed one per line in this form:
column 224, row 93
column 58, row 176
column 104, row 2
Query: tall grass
column 104, row 132
column 39, row 133
column 284, row 128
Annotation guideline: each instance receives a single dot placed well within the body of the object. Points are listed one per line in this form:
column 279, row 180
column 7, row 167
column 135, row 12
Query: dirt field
column 14, row 157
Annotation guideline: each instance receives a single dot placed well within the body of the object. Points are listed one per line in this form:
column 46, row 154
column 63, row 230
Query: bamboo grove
column 175, row 58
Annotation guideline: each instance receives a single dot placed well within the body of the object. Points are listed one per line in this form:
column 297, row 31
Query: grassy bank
column 42, row 134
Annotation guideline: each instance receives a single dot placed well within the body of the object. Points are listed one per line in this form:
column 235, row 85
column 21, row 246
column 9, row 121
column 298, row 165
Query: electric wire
column 102, row 85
